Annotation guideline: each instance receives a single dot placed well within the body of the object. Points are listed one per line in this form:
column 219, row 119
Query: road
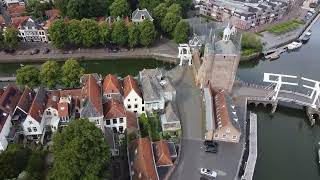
column 192, row 156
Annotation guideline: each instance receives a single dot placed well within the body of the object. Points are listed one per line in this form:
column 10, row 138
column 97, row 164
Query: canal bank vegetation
column 285, row 27
column 250, row 45
column 51, row 75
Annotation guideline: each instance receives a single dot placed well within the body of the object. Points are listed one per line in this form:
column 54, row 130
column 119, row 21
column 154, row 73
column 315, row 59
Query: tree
column 119, row 33
column 104, row 32
column 120, row 8
column 35, row 166
column 62, row 6
column 89, row 32
column 59, row 33
column 71, row 73
column 175, row 9
column 28, row 76
column 11, row 37
column 50, row 74
column 144, row 125
column 147, row 32
column 181, row 32
column 169, row 22
column 74, row 32
column 1, row 39
column 159, row 13
column 133, row 35
column 13, row 161
column 149, row 4
column 185, row 5
column 80, row 151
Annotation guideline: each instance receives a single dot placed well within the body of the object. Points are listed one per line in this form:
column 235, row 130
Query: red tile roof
column 162, row 154
column 38, row 105
column 52, row 13
column 53, row 99
column 16, row 10
column 16, row 21
column 224, row 114
column 26, row 99
column 92, row 92
column 129, row 83
column 141, row 157
column 10, row 99
column 132, row 123
column 63, row 109
column 111, row 84
column 114, row 109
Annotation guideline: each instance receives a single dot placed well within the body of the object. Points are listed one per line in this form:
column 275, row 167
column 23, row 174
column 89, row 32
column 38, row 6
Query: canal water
column 287, row 145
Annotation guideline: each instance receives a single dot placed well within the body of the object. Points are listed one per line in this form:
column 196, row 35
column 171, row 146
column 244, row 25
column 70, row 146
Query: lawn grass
column 285, row 27
column 248, row 52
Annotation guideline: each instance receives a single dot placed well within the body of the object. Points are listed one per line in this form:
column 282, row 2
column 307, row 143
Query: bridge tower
column 315, row 91
column 185, row 54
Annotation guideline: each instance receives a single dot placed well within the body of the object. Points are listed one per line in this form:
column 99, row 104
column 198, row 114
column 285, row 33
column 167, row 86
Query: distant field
column 285, row 27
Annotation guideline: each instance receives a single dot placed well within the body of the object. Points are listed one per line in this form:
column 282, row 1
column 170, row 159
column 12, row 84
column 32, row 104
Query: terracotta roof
column 63, row 109
column 52, row 13
column 53, row 99
column 132, row 123
column 114, row 109
column 38, row 105
column 162, row 154
column 10, row 99
column 91, row 92
column 2, row 22
column 111, row 84
column 16, row 10
column 141, row 158
column 70, row 92
column 26, row 99
column 16, row 21
column 129, row 83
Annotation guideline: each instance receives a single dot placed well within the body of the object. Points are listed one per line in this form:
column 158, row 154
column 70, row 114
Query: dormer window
column 142, row 17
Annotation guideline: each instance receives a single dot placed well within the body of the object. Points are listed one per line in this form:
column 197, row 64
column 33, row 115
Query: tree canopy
column 71, row 73
column 119, row 33
column 181, row 32
column 78, row 9
column 59, row 33
column 89, row 32
column 74, row 32
column 80, row 151
column 159, row 13
column 175, row 9
column 133, row 35
column 147, row 33
column 11, row 37
column 149, row 4
column 50, row 74
column 120, row 8
column 169, row 22
column 13, row 161
column 28, row 76
column 104, row 32
column 35, row 166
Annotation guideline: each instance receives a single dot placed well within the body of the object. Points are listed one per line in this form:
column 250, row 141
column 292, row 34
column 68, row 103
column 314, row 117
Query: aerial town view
column 159, row 89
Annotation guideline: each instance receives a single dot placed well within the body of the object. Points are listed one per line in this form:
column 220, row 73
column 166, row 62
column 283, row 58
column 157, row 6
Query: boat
column 306, row 37
column 319, row 152
column 294, row 45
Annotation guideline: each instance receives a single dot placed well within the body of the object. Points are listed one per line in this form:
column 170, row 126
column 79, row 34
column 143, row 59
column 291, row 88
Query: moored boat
column 306, row 37
column 294, row 45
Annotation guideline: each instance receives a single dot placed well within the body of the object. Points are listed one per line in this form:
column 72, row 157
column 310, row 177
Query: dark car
column 9, row 51
column 210, row 143
column 34, row 51
column 211, row 149
column 45, row 50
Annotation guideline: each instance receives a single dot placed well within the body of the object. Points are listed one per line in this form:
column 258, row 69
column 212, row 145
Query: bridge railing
column 243, row 83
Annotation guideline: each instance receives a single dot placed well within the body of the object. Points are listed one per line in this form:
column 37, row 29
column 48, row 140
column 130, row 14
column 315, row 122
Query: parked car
column 210, row 143
column 45, row 50
column 211, row 149
column 208, row 172
column 34, row 51
column 9, row 51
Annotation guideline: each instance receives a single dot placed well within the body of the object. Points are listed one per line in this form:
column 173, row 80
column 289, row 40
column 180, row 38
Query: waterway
column 286, row 143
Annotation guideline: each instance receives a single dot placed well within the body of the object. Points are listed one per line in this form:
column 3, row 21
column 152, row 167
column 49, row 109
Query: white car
column 208, row 172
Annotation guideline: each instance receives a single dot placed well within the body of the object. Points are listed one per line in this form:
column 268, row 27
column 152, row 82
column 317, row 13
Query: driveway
column 192, row 156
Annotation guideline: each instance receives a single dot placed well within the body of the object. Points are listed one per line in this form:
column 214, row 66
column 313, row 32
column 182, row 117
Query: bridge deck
column 6, row 79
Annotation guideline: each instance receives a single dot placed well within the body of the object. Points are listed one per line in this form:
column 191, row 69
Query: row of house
column 110, row 103
column 245, row 14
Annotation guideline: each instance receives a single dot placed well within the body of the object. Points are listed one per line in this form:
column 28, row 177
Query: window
column 135, row 111
column 142, row 108
column 135, row 99
column 128, row 100
column 228, row 130
column 97, row 122
column 121, row 129
column 121, row 120
column 35, row 129
column 234, row 137
column 136, row 106
column 224, row 136
column 108, row 122
column 114, row 129
column 30, row 122
column 129, row 106
column 48, row 113
column 114, row 121
column 29, row 129
column 216, row 135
